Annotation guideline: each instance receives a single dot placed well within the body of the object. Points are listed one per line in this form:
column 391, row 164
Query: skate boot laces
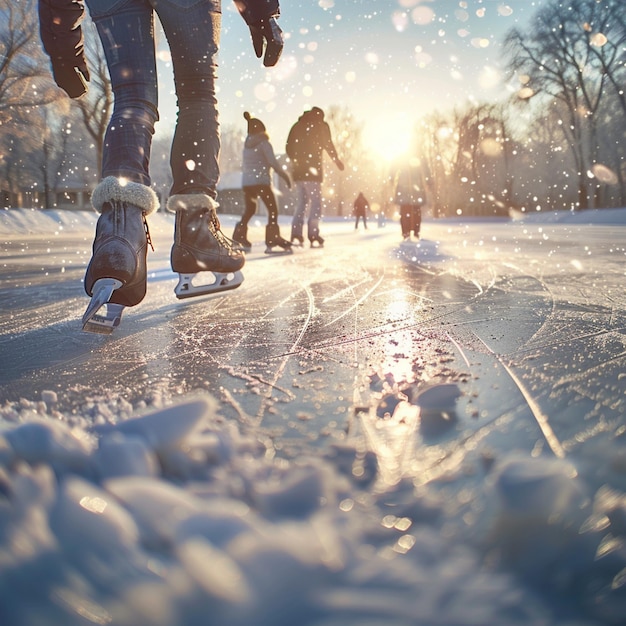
column 216, row 230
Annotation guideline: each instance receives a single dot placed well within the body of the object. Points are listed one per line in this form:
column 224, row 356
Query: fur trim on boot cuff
column 183, row 202
column 112, row 189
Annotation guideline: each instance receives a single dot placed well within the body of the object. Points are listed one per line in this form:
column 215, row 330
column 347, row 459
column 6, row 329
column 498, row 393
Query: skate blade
column 107, row 323
column 222, row 281
column 102, row 316
column 269, row 250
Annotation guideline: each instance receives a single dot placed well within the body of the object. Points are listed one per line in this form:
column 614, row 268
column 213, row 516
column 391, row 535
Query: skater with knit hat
column 258, row 161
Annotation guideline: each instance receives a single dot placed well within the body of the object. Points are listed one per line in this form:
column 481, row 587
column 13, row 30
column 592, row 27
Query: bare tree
column 468, row 154
column 572, row 57
column 435, row 143
column 347, row 135
column 232, row 138
column 96, row 106
column 23, row 72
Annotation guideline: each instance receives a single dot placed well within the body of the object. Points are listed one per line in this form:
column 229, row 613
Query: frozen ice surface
column 176, row 516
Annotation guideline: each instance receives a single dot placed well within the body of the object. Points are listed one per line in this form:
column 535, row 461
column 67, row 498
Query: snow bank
column 41, row 222
column 48, row 222
column 177, row 517
column 589, row 216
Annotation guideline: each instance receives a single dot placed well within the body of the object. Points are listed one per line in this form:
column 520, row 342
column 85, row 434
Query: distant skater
column 361, row 207
column 308, row 138
column 258, row 161
column 410, row 195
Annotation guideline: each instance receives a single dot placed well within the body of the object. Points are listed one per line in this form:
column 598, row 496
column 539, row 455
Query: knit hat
column 255, row 125
column 317, row 112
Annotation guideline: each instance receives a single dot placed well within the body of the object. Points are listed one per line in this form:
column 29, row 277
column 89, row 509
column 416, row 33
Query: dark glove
column 71, row 76
column 260, row 16
column 268, row 32
column 62, row 38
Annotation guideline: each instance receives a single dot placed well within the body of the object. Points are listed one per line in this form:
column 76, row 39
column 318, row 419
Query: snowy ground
column 375, row 433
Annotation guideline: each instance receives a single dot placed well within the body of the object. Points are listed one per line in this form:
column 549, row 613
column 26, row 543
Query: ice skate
column 296, row 235
column 102, row 316
column 273, row 240
column 205, row 259
column 316, row 241
column 240, row 237
column 116, row 274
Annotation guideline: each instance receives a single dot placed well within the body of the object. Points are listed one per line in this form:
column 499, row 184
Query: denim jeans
column 309, row 197
column 192, row 29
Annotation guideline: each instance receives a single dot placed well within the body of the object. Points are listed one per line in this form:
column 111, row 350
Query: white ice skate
column 102, row 316
column 205, row 283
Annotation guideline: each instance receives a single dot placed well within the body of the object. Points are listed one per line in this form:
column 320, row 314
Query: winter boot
column 200, row 246
column 240, row 237
column 273, row 238
column 116, row 273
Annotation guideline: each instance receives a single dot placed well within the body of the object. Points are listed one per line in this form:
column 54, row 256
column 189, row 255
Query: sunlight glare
column 389, row 136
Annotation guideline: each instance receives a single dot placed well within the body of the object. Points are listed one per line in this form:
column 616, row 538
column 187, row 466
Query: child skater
column 258, row 161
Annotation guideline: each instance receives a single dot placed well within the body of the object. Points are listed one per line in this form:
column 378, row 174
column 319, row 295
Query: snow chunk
column 50, row 442
column 167, row 427
column 87, row 520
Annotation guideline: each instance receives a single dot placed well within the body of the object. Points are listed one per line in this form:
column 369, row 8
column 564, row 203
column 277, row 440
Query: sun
column 388, row 136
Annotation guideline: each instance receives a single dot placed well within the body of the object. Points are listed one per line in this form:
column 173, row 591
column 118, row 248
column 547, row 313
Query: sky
column 388, row 62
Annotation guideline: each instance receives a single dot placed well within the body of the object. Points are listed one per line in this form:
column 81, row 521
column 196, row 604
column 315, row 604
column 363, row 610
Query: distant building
column 231, row 199
column 68, row 194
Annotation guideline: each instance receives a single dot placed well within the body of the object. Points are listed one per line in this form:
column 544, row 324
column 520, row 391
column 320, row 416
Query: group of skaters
column 116, row 276
column 307, row 141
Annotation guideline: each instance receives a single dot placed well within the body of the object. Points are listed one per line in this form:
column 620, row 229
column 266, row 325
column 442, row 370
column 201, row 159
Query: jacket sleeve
column 270, row 157
column 254, row 11
column 327, row 142
column 59, row 26
column 62, row 38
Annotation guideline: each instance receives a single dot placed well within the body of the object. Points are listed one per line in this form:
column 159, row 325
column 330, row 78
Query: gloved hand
column 267, row 32
column 260, row 16
column 72, row 76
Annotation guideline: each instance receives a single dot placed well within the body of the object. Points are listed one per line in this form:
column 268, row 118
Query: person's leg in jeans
column 192, row 29
column 117, row 270
column 297, row 223
column 417, row 220
column 314, row 192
